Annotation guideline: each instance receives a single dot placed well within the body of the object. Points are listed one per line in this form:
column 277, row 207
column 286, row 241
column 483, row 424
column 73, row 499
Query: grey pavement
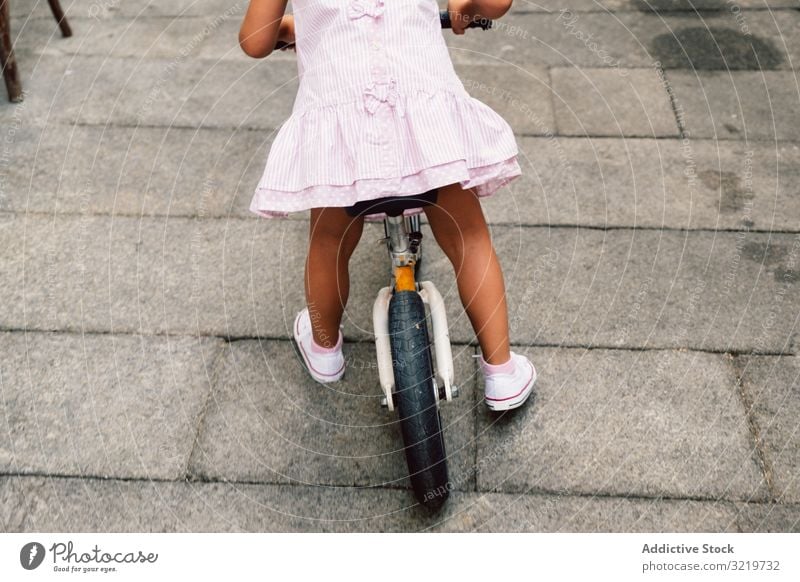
column 651, row 252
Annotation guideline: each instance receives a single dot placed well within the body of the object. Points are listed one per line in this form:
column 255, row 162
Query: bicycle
column 409, row 381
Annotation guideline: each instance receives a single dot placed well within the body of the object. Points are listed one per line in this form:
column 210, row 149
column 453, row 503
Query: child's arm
column 263, row 26
column 462, row 12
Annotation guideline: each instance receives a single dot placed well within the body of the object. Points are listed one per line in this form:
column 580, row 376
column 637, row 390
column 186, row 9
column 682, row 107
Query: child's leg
column 332, row 239
column 460, row 228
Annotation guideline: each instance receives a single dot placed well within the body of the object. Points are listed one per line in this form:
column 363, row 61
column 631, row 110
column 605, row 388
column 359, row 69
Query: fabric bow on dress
column 378, row 93
column 359, row 8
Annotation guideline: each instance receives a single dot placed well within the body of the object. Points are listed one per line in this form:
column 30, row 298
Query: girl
column 380, row 112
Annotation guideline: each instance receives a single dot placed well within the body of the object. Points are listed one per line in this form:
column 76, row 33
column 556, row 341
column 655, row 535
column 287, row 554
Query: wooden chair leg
column 55, row 6
column 7, row 60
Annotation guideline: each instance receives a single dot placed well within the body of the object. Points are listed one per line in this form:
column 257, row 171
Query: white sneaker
column 504, row 391
column 326, row 366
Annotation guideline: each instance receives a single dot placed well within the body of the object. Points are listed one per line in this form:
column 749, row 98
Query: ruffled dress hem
column 484, row 180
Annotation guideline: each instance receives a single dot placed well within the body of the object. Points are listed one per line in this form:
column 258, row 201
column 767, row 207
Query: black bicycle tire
column 415, row 400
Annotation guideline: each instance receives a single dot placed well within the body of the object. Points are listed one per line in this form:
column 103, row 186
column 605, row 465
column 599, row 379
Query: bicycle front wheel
column 415, row 400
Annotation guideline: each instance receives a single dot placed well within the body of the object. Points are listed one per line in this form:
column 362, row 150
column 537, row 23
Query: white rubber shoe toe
column 508, row 391
column 323, row 367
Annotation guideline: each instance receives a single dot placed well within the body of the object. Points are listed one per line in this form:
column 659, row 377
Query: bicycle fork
column 404, row 250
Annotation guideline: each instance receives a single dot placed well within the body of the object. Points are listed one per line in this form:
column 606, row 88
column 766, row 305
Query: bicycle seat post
column 398, row 240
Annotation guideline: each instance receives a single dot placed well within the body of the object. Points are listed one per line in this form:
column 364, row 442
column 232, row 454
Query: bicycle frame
column 403, row 239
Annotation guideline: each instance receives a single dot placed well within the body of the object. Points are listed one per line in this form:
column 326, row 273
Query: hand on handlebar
column 462, row 13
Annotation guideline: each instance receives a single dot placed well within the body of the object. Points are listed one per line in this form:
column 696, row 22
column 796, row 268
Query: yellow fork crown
column 404, row 278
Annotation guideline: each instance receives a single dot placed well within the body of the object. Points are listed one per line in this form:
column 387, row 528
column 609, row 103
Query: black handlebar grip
column 484, row 23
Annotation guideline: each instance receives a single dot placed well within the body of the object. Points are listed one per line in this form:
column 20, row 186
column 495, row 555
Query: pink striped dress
column 379, row 112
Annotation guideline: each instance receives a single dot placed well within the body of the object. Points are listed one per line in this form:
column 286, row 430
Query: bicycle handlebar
column 483, row 23
column 444, row 18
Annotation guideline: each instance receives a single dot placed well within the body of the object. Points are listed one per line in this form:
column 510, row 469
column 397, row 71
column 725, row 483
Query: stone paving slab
column 121, row 406
column 626, row 288
column 145, row 171
column 164, row 92
column 576, row 514
column 606, row 182
column 747, row 105
column 554, row 39
column 606, row 102
column 681, row 5
column 141, row 506
column 201, row 277
column 521, row 96
column 766, row 518
column 243, row 278
column 660, row 6
column 624, row 423
column 232, row 95
column 104, row 10
column 61, row 505
column 623, row 40
column 612, row 182
column 139, row 38
column 773, row 384
column 724, row 40
column 268, row 421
